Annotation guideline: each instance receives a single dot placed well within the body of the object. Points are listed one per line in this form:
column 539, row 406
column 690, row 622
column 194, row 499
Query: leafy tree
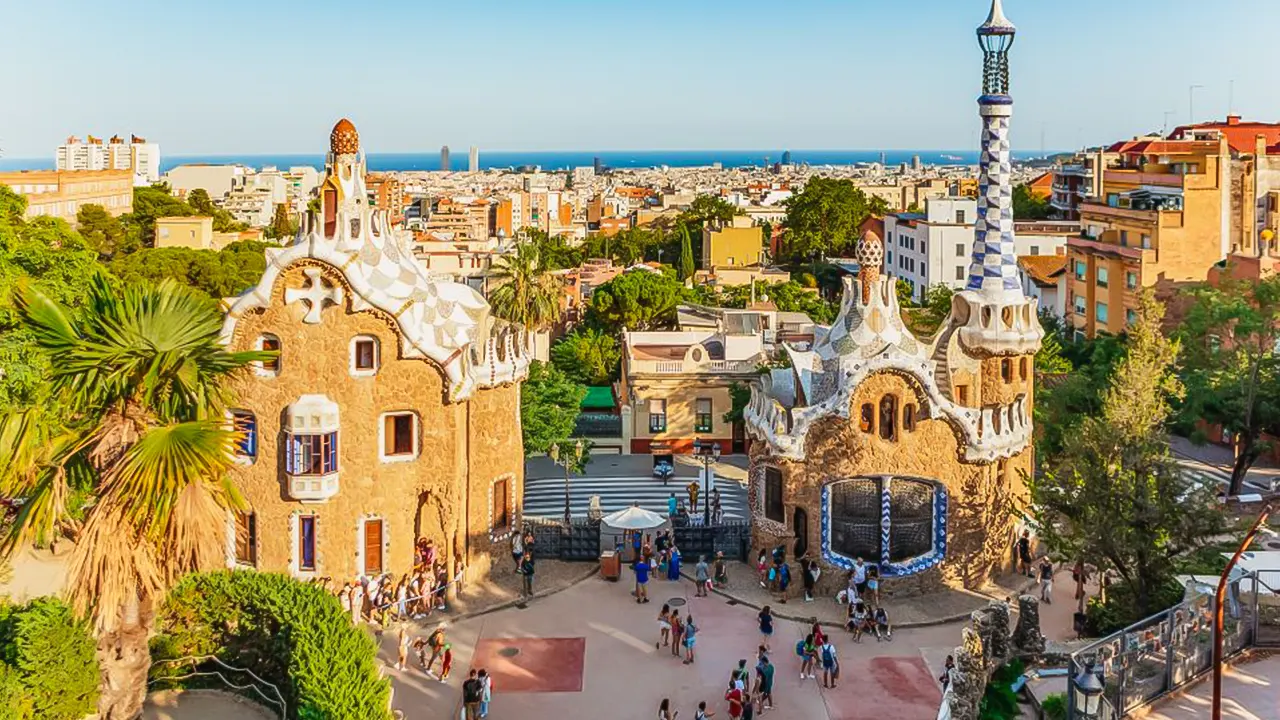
column 708, row 209
column 142, row 370
column 1050, row 358
column 48, row 655
column 219, row 274
column 1028, row 205
column 638, row 299
column 686, row 268
column 588, row 355
column 1115, row 496
column 200, row 201
column 906, row 293
column 824, row 218
column 790, row 296
column 550, row 403
column 1232, row 372
column 150, row 203
column 290, row 633
column 526, row 293
column 105, row 233
column 283, row 225
column 554, row 252
column 936, row 307
column 1063, row 403
column 740, row 397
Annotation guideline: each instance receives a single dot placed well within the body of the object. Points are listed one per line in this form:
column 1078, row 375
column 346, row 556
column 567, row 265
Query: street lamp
column 1086, row 691
column 569, row 461
column 709, row 452
column 1219, row 599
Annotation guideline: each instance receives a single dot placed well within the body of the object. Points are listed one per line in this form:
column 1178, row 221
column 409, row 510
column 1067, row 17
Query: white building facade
column 115, row 154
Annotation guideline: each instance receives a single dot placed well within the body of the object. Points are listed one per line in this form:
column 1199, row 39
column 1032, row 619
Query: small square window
column 246, row 538
column 959, row 249
column 1035, row 249
column 245, row 424
column 364, row 355
column 399, row 435
column 270, row 343
column 307, row 543
column 959, row 273
column 501, row 506
column 657, row 416
column 702, row 419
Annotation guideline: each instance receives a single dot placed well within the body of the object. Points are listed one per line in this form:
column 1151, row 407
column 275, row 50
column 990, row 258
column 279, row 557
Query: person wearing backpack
column 830, row 664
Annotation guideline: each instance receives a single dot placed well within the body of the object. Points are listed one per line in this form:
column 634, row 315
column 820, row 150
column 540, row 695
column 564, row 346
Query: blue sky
column 264, row 76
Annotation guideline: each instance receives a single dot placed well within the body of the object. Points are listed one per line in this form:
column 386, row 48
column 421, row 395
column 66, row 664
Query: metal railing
column 1156, row 656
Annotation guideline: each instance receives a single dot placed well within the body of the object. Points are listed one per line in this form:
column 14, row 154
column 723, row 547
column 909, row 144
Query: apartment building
column 61, row 193
column 738, row 244
column 138, row 155
column 254, row 205
column 1161, row 218
column 460, row 219
column 935, row 247
column 217, row 180
column 387, row 193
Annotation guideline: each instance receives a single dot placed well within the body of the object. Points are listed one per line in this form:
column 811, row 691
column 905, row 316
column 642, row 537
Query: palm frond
column 111, row 568
column 35, row 463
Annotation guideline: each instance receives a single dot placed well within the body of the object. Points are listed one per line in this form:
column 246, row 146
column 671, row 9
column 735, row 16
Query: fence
column 1160, row 654
column 582, row 541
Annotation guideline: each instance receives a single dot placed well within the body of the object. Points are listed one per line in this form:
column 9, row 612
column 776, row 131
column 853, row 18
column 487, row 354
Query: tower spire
column 993, row 270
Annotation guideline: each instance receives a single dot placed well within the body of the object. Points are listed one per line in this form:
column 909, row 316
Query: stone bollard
column 998, row 651
column 1027, row 637
column 970, row 679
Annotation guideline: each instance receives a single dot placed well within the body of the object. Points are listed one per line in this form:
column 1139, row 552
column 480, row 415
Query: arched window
column 909, row 417
column 1022, row 368
column 800, row 526
column 866, row 419
column 888, row 417
column 364, row 355
column 895, row 522
column 1006, row 370
column 270, row 343
column 855, row 518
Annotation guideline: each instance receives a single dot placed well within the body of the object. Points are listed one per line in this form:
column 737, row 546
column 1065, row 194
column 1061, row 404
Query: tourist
column 429, row 554
column 664, row 710
column 446, row 662
column 703, row 713
column 472, row 692
column 517, row 549
column 442, row 581
column 402, row 598
column 849, row 622
column 693, row 496
column 673, row 564
column 784, row 580
column 809, row 576
column 435, row 641
column 403, row 646
column 733, row 696
column 486, row 692
column 1080, row 575
column 671, row 506
column 762, row 567
column 808, row 654
column 1046, row 580
column 858, row 620
column 873, row 583
column 526, row 571
column 702, row 576
column 721, row 572
column 748, row 705
column 677, row 633
column 716, row 513
column 641, row 567
column 850, row 594
column 830, row 664
column 690, row 638
column 859, row 579
column 947, row 669
column 528, row 541
column 766, row 626
column 1024, row 553
column 344, row 597
column 357, row 603
column 884, row 630
column 664, row 626
column 764, row 683
column 740, row 675
column 819, row 637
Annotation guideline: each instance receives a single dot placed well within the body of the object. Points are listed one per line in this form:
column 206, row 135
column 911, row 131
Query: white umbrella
column 634, row 518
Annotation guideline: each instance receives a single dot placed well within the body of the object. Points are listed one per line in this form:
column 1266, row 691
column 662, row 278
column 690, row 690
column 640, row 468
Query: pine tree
column 686, row 267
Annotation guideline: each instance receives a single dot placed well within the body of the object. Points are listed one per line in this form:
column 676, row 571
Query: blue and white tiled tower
column 1001, row 321
column 994, row 270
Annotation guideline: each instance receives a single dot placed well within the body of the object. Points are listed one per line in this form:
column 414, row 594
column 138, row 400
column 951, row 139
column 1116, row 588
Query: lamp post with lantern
column 1086, row 694
column 709, row 452
column 569, row 459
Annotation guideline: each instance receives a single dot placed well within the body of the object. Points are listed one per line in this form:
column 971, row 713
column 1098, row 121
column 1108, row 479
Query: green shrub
column 1121, row 610
column 1054, row 707
column 289, row 633
column 48, row 665
column 999, row 702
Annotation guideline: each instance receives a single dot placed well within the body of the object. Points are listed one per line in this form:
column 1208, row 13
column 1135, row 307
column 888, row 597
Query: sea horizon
column 559, row 160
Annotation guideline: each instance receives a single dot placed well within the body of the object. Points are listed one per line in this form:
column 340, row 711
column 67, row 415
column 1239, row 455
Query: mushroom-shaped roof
column 870, row 250
column 997, row 23
column 344, row 140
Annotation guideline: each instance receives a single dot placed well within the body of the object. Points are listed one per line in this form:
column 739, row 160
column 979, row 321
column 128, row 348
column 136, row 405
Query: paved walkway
column 200, row 705
column 589, row 652
column 1214, row 463
column 1249, row 692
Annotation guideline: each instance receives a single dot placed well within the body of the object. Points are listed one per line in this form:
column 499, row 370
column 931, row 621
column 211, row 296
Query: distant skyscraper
column 595, row 164
column 444, row 158
column 786, row 157
column 473, row 159
column 882, row 159
column 915, row 162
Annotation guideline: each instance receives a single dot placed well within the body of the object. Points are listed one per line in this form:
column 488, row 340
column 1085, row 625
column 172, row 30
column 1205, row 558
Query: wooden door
column 372, row 547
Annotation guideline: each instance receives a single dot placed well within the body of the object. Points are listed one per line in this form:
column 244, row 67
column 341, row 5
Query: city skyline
column 200, row 80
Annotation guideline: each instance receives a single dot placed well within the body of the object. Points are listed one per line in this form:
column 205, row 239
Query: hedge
column 289, row 633
column 48, row 662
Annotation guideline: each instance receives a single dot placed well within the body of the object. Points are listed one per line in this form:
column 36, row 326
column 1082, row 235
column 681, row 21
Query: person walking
column 1024, row 553
column 446, row 662
column 526, row 571
column 703, row 713
column 472, row 693
column 721, row 570
column 784, row 580
column 486, row 692
column 764, row 683
column 671, row 505
column 690, row 638
column 1046, row 580
column 673, row 563
column 664, row 710
column 766, row 626
column 733, row 697
column 664, row 626
column 740, row 676
column 830, row 664
column 435, row 641
column 808, row 656
column 402, row 645
column 809, row 576
column 702, row 576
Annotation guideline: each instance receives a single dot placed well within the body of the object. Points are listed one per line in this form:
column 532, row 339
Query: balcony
column 1075, row 170
column 1137, row 177
column 1106, row 211
column 688, row 367
column 1061, row 204
column 313, row 488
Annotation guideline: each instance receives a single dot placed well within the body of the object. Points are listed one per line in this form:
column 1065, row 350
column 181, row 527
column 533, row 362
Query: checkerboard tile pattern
column 994, row 268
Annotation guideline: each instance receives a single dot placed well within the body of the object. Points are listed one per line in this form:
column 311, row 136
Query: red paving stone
column 542, row 665
column 883, row 688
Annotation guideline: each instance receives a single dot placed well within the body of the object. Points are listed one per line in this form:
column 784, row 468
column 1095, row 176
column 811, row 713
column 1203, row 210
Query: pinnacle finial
column 997, row 23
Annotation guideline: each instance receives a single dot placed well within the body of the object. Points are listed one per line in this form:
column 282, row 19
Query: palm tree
column 526, row 293
column 141, row 372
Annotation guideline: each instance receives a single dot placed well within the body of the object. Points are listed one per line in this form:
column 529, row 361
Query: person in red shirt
column 733, row 696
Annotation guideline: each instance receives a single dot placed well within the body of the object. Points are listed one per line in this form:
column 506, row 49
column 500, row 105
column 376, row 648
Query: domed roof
column 344, row 140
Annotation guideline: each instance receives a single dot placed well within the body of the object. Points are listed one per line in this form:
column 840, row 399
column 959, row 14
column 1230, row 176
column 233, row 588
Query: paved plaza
column 589, row 652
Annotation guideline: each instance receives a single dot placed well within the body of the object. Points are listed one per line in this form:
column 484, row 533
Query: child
column 403, row 645
column 486, row 686
column 733, row 696
column 761, row 566
column 447, row 664
column 858, row 620
column 703, row 713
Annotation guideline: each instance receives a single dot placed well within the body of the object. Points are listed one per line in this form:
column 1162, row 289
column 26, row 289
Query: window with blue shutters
column 245, row 424
column 315, row 454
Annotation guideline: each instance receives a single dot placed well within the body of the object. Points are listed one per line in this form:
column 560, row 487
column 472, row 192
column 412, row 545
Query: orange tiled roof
column 1043, row 269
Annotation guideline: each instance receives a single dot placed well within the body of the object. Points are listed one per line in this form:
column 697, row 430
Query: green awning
column 598, row 397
